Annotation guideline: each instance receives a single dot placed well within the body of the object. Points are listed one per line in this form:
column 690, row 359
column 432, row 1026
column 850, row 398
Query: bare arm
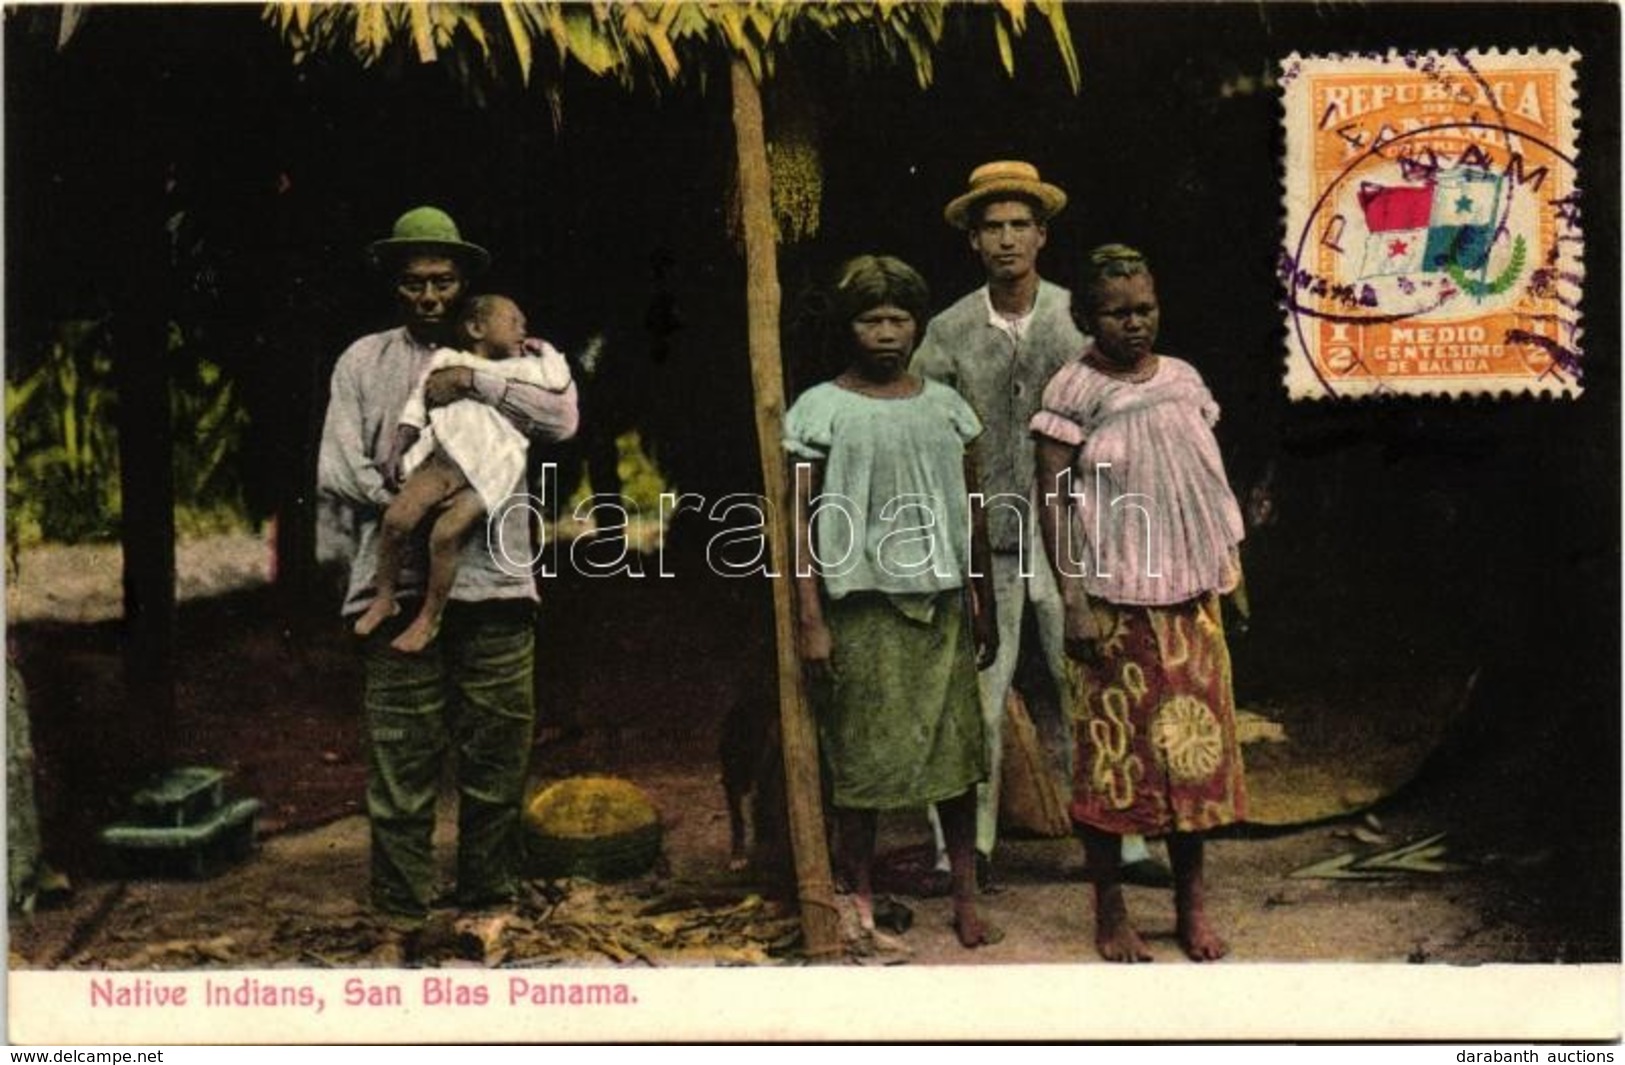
column 816, row 644
column 406, row 435
column 1055, row 462
column 984, row 606
column 1239, row 598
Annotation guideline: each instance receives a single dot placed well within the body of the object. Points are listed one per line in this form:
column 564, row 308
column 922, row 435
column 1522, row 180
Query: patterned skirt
column 1155, row 721
column 901, row 724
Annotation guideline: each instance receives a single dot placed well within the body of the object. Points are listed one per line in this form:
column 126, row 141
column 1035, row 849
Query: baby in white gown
column 457, row 462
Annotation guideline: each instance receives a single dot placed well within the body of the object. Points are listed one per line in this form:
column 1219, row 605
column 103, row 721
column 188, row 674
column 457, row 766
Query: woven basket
column 601, row 828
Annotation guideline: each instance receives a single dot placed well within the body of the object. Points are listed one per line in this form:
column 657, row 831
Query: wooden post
column 147, row 486
column 141, row 298
column 820, row 923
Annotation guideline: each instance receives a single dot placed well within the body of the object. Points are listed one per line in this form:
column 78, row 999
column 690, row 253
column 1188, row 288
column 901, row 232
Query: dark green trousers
column 470, row 697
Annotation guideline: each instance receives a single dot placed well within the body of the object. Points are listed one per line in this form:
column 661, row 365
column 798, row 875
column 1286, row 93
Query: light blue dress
column 901, row 722
column 893, row 516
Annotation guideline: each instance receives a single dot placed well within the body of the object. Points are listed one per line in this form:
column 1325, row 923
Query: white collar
column 1016, row 327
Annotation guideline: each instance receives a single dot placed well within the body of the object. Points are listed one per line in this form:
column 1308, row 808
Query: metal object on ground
column 181, row 825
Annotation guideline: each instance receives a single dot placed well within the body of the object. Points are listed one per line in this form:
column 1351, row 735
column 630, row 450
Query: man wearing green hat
column 998, row 347
column 471, row 693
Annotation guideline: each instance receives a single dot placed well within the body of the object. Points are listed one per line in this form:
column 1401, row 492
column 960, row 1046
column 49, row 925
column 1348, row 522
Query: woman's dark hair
column 1109, row 260
column 871, row 281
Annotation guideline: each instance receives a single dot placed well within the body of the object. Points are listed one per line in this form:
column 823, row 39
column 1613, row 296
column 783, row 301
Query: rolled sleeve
column 1057, row 427
column 809, row 429
column 539, row 413
column 490, row 388
column 1059, row 409
column 802, row 450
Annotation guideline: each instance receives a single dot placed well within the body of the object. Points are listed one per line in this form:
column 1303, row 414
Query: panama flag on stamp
column 1447, row 221
column 1396, row 219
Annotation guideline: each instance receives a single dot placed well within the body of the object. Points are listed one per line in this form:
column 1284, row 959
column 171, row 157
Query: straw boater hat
column 428, row 230
column 998, row 180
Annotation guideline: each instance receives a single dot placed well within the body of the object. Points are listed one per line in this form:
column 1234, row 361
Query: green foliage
column 210, row 424
column 62, row 462
column 659, row 44
column 641, row 480
column 61, row 447
column 656, row 44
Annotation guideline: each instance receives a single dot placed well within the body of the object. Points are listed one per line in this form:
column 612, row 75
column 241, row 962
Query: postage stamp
column 1433, row 224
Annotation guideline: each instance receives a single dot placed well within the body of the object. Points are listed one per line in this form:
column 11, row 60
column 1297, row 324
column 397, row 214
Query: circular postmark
column 1434, row 238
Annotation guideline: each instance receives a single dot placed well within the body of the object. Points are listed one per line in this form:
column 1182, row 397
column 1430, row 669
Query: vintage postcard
column 1320, row 301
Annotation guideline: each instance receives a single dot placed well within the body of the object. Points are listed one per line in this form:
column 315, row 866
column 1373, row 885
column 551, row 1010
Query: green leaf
column 557, row 29
column 422, row 31
column 588, row 42
column 1055, row 10
column 688, row 20
column 519, row 36
column 1017, row 10
column 1007, row 54
column 920, row 52
column 68, row 23
column 667, row 51
column 450, row 19
column 18, row 395
column 371, row 31
column 732, row 22
column 761, row 19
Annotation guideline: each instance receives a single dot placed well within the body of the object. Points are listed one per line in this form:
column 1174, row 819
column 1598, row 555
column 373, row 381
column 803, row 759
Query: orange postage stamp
column 1433, row 224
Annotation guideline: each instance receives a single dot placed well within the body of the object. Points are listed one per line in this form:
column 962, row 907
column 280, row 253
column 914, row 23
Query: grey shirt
column 371, row 384
column 1002, row 370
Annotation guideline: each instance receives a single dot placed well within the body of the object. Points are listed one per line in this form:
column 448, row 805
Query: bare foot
column 888, row 944
column 418, row 635
column 1121, row 943
column 379, row 612
column 864, row 902
column 1115, row 936
column 1200, row 941
column 973, row 932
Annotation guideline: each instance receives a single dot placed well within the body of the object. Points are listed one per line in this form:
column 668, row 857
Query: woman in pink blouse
column 1142, row 530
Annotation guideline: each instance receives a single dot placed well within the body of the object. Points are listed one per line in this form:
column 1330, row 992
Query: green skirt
column 901, row 723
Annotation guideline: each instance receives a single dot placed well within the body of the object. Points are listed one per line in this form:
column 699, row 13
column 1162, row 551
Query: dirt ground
column 636, row 678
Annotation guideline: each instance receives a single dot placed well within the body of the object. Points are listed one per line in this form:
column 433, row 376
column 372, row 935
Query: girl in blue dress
column 895, row 605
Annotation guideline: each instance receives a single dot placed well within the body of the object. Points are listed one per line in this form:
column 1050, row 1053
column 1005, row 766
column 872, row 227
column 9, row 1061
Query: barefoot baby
column 456, row 463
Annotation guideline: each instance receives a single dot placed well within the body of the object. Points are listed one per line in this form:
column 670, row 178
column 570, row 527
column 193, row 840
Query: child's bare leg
column 1115, row 936
column 1196, row 935
column 857, row 832
column 958, row 817
column 462, row 513
column 421, row 493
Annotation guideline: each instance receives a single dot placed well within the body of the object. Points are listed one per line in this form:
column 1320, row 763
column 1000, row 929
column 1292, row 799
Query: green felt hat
column 428, row 230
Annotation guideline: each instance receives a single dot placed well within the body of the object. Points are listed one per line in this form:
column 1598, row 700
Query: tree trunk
column 820, row 923
column 147, row 515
